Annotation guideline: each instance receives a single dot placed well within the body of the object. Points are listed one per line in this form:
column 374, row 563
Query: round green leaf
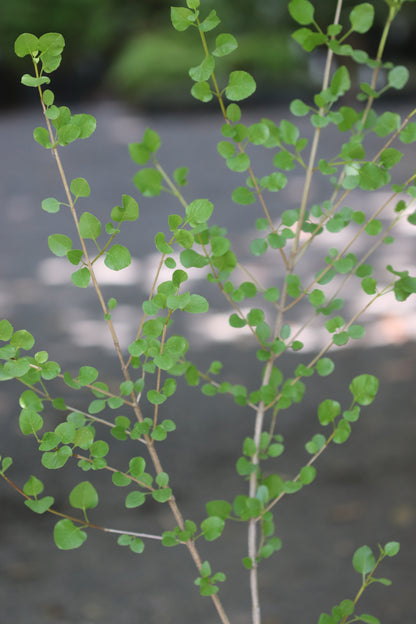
column 302, row 11
column 243, row 196
column 135, row 499
column 81, row 277
column 6, row 329
column 59, row 244
column 89, row 226
column 363, row 560
column 199, row 211
column 84, row 496
column 41, row 505
column 202, row 72
column 117, row 258
column 364, row 389
column 80, row 187
column 240, row 86
column 67, row 536
column 225, row 44
column 51, row 204
column 26, row 43
column 362, row 17
column 149, row 182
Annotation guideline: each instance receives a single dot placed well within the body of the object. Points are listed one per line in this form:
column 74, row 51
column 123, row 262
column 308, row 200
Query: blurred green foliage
column 129, row 46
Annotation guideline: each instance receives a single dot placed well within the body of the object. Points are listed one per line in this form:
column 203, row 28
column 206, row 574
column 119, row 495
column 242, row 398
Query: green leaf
column 342, row 432
column 26, row 43
column 155, row 397
column 363, row 560
column 33, row 486
column 302, row 11
column 398, row 77
column 117, row 258
column 41, row 505
column 199, row 211
column 32, row 81
column 202, row 72
column 129, row 211
column 89, row 226
column 67, row 536
column 225, row 44
column 212, row 527
column 210, row 22
column 41, row 136
column 81, row 278
column 80, row 187
column 180, row 18
column 202, row 91
column 239, row 163
column 59, row 244
column 84, row 496
column 219, row 508
column 6, row 330
column 149, row 182
column 328, row 410
column 162, row 496
column 30, row 421
column 86, row 125
column 364, row 389
column 391, row 548
column 240, row 86
column 135, row 499
column 362, row 17
column 243, row 196
column 51, row 205
column 22, row 339
column 197, row 305
column 340, row 82
column 258, row 246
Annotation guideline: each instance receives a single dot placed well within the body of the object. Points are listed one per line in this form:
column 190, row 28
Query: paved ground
column 365, row 490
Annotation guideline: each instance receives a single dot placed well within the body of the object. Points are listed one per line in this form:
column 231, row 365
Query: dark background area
column 128, row 49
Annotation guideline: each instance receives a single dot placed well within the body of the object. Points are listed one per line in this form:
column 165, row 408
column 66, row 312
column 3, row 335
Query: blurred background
column 128, row 49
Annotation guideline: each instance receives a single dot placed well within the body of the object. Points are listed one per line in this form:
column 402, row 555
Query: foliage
column 156, row 363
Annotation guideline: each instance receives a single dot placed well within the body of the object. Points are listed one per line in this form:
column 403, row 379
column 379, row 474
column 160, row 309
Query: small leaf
column 84, row 496
column 180, row 18
column 41, row 136
column 212, row 528
column 362, row 17
column 67, row 536
column 41, row 505
column 51, row 205
column 202, row 91
column 302, row 11
column 81, row 277
column 89, row 226
column 135, row 499
column 398, row 77
column 117, row 258
column 32, row 81
column 364, row 389
column 202, row 72
column 149, row 182
column 363, row 560
column 240, row 86
column 225, row 44
column 199, row 211
column 80, row 187
column 26, row 43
